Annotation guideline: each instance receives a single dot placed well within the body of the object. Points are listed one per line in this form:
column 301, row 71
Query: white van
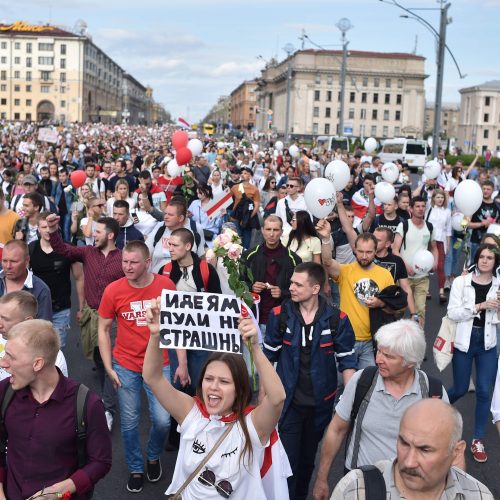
column 415, row 152
column 332, row 143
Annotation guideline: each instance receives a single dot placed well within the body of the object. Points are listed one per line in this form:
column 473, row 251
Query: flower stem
column 252, row 365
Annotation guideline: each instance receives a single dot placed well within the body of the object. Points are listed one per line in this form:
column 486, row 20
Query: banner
column 24, row 148
column 218, row 203
column 200, row 321
column 47, row 135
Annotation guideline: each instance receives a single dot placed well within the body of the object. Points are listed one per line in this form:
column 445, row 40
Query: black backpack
column 194, row 230
column 429, row 225
column 364, row 390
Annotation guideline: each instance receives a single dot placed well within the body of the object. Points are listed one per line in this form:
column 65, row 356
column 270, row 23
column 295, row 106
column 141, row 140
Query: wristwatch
column 415, row 317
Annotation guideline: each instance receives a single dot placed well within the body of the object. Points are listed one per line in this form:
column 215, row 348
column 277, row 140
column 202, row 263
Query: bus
column 332, row 143
column 415, row 152
column 208, row 129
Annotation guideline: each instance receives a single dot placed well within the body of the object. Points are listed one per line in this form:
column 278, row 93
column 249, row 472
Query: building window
column 486, row 134
column 3, row 60
column 338, row 96
column 17, row 75
column 327, row 128
column 486, row 101
column 486, row 117
column 4, row 45
column 63, row 49
column 17, row 116
column 29, row 48
column 62, row 89
column 28, row 62
column 352, row 97
column 17, row 102
column 329, row 95
column 17, row 45
column 375, row 98
column 46, row 60
column 351, row 113
column 3, row 87
column 362, row 114
column 3, row 115
column 387, row 99
column 365, row 81
column 387, row 83
column 315, row 128
column 45, row 76
column 317, row 79
column 62, row 77
column 374, row 131
column 28, row 102
column 316, row 95
column 363, row 97
column 63, row 63
column 328, row 112
column 28, row 116
column 17, row 60
column 44, row 89
column 63, row 104
column 329, row 79
column 28, row 76
column 385, row 131
column 398, row 115
column 3, row 75
column 3, row 101
column 316, row 112
column 386, row 114
column 397, row 131
column 376, row 82
column 445, row 122
column 17, row 88
column 374, row 114
column 45, row 46
column 398, row 98
column 400, row 83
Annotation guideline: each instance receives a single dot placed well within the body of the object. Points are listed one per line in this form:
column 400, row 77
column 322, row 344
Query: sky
column 193, row 51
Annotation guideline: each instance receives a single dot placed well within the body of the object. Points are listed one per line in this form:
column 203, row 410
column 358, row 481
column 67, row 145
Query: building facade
column 220, row 113
column 479, row 122
column 243, row 105
column 384, row 94
column 48, row 73
column 450, row 114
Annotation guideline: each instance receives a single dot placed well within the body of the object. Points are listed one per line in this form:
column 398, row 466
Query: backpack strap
column 405, row 230
column 166, row 270
column 194, row 229
column 364, row 390
column 428, row 215
column 159, row 234
column 81, row 425
column 430, row 387
column 334, row 321
column 7, row 398
column 375, row 488
column 283, row 318
column 205, row 273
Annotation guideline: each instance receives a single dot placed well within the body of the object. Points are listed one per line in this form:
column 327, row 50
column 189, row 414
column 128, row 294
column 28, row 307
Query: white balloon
column 221, row 145
column 494, row 229
column 173, row 169
column 432, row 169
column 255, row 148
column 384, row 192
column 82, row 148
column 196, row 146
column 456, row 221
column 370, row 145
column 390, row 172
column 338, row 172
column 293, row 150
column 468, row 197
column 320, row 197
column 423, row 261
column 279, row 145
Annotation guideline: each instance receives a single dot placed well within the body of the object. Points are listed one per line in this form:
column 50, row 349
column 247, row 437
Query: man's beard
column 365, row 263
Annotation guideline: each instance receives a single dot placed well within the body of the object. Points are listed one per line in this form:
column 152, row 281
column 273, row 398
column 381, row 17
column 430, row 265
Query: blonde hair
column 435, row 193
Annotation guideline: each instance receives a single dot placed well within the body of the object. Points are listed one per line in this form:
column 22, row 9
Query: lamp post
column 289, row 49
column 343, row 25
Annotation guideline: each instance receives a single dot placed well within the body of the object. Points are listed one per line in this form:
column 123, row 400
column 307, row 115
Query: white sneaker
column 109, row 419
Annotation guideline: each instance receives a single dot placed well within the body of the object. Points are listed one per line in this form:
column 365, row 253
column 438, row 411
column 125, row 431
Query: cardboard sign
column 48, row 135
column 24, row 148
column 200, row 321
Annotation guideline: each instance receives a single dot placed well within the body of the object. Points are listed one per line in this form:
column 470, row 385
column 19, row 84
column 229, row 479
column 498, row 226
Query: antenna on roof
column 302, row 38
column 416, row 43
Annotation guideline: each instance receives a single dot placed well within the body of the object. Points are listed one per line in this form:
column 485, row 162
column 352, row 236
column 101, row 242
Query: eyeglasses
column 291, row 186
column 224, row 488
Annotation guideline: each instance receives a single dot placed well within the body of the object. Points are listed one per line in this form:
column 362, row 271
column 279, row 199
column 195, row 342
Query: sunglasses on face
column 224, row 488
column 291, row 186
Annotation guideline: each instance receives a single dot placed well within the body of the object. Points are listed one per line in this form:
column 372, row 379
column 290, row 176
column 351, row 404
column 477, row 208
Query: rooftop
column 491, row 85
column 22, row 28
column 363, row 53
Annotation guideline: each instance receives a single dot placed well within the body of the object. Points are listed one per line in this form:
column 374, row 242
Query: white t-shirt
column 416, row 239
column 88, row 240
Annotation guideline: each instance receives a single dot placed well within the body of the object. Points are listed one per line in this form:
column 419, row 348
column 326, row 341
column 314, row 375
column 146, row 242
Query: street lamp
column 343, row 25
column 289, row 49
column 441, row 38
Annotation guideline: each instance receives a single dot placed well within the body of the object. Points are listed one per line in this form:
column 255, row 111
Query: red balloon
column 183, row 156
column 180, row 139
column 78, row 178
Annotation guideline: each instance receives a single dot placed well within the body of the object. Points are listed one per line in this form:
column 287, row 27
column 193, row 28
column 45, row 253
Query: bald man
column 429, row 448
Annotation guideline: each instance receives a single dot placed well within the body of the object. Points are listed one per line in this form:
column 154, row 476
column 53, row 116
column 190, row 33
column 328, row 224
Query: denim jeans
column 363, row 350
column 486, row 370
column 65, row 225
column 245, row 234
column 129, row 399
column 60, row 321
column 452, row 260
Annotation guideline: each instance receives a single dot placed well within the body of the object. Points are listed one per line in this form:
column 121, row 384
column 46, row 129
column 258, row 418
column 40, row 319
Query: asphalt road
column 113, row 485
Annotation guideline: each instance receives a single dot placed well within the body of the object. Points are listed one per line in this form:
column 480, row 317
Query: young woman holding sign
column 218, row 420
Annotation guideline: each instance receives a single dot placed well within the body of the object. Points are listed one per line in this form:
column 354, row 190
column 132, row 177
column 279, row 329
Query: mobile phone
column 135, row 218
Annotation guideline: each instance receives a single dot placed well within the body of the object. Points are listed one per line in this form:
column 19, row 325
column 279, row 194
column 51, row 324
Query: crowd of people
column 338, row 342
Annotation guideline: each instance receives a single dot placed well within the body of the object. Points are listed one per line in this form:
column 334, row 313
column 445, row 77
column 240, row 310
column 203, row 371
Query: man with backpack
column 58, row 440
column 307, row 337
column 413, row 235
column 374, row 400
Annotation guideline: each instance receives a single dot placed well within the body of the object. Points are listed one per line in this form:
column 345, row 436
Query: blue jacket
column 326, row 352
column 127, row 233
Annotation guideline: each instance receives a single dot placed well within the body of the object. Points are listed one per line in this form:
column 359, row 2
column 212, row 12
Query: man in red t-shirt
column 126, row 300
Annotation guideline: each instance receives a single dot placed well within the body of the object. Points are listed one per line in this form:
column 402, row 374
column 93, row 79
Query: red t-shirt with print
column 128, row 305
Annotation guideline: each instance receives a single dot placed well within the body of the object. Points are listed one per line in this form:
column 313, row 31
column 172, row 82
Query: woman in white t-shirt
column 302, row 238
column 440, row 217
column 222, row 398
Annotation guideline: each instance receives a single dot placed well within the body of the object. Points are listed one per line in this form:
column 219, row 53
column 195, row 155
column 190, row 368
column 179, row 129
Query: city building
column 220, row 113
column 243, row 105
column 450, row 113
column 384, row 94
column 479, row 123
column 135, row 101
column 50, row 73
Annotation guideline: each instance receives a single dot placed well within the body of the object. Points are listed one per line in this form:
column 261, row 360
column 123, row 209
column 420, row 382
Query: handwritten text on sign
column 200, row 321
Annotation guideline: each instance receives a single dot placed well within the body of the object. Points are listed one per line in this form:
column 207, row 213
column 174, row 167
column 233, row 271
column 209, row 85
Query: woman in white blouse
column 440, row 218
